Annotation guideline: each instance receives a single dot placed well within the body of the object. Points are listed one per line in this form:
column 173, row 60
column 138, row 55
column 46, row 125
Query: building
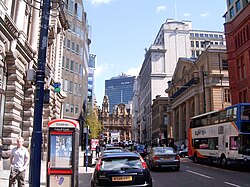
column 198, row 86
column 19, row 39
column 75, row 69
column 135, row 109
column 91, row 81
column 175, row 39
column 119, row 90
column 117, row 122
column 160, row 120
column 237, row 31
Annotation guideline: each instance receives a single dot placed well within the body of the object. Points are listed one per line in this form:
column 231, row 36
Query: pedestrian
column 19, row 160
column 97, row 150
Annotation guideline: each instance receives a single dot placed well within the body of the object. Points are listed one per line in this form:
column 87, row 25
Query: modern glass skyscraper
column 119, row 90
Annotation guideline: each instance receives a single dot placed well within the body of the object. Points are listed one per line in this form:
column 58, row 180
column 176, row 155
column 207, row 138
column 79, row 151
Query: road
column 197, row 175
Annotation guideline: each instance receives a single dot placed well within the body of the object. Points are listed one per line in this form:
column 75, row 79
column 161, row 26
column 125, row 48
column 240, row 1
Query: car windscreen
column 121, row 163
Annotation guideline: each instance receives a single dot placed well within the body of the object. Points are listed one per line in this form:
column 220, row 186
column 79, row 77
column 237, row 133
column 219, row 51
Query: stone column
column 180, row 122
column 8, row 4
column 173, row 135
column 20, row 14
column 187, row 118
column 35, row 26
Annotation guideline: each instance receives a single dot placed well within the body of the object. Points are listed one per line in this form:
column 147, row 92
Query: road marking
column 198, row 174
column 231, row 184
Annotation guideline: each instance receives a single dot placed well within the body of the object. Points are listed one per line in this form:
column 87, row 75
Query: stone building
column 19, row 38
column 198, row 86
column 120, row 120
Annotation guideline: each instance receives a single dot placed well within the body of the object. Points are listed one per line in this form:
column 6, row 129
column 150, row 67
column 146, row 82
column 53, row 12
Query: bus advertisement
column 221, row 137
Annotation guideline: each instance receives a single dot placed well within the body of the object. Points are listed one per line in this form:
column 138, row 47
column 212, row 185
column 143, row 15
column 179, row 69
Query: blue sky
column 122, row 29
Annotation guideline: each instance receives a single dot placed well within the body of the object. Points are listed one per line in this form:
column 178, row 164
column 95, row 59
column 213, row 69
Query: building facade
column 75, row 69
column 237, row 31
column 19, row 39
column 119, row 121
column 91, row 81
column 175, row 39
column 198, row 86
column 119, row 90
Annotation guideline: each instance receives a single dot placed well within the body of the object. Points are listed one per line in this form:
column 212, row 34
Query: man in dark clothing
column 97, row 150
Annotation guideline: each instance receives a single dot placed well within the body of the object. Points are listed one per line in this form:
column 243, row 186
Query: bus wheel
column 195, row 158
column 223, row 161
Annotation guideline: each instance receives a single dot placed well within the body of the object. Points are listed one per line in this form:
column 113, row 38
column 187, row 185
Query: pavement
column 84, row 173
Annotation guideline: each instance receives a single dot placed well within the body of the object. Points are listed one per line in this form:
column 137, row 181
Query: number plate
column 122, row 178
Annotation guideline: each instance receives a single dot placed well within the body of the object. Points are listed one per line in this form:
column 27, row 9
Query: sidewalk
column 84, row 174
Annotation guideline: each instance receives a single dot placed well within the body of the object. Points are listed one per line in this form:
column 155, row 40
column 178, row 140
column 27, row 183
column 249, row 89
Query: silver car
column 161, row 157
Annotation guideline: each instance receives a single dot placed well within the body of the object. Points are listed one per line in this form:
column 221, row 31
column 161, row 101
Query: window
column 68, row 44
column 165, row 120
column 80, row 69
column 70, row 86
column 191, row 34
column 66, row 107
column 76, row 68
column 76, row 109
column 211, row 35
column 197, row 53
column 72, row 65
column 75, row 88
column 197, row 43
column 193, row 53
column 202, row 44
column 196, row 35
column 216, row 36
column 78, row 11
column 231, row 12
column 233, row 143
column 192, row 43
column 73, row 47
column 63, row 59
column 230, row 2
column 206, row 35
column 227, row 97
column 65, row 86
column 238, row 6
column 72, row 109
column 224, row 65
column 67, row 63
column 201, row 35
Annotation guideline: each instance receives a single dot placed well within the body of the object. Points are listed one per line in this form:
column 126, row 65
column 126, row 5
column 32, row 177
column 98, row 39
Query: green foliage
column 94, row 125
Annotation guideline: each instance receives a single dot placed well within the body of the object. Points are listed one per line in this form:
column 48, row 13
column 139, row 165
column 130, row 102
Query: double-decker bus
column 221, row 137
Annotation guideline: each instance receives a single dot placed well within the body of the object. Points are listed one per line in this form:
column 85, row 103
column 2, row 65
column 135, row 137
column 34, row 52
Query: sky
column 122, row 29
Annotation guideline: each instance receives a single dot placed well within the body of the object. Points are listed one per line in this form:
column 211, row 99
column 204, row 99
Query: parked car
column 161, row 157
column 184, row 152
column 121, row 169
column 141, row 149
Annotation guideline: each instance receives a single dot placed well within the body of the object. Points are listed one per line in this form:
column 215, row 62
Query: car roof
column 120, row 154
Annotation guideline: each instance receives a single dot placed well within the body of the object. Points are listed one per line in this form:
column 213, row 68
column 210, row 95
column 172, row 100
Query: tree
column 94, row 125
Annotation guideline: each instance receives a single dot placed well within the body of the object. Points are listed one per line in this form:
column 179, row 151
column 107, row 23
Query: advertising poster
column 60, row 180
column 94, row 143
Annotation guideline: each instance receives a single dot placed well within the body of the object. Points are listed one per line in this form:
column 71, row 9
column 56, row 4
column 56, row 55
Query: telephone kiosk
column 63, row 153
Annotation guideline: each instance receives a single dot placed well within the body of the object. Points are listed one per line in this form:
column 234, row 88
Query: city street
column 196, row 175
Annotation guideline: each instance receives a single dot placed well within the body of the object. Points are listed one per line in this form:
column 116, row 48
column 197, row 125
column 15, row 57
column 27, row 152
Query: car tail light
column 144, row 164
column 177, row 157
column 156, row 158
column 98, row 165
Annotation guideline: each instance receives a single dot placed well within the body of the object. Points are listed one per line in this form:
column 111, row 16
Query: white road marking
column 198, row 174
column 231, row 184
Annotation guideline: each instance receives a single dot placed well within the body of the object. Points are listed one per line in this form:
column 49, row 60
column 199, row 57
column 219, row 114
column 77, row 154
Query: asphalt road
column 200, row 175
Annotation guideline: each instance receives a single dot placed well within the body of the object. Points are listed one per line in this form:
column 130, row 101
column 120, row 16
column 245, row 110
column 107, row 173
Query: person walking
column 19, row 160
column 97, row 150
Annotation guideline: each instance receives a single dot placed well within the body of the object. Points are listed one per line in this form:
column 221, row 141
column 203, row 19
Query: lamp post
column 204, row 91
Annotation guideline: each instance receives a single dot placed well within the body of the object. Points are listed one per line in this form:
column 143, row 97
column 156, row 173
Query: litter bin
column 89, row 160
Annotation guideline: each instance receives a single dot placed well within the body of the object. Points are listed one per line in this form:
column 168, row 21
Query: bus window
column 214, row 118
column 222, row 116
column 233, row 143
column 245, row 113
column 244, row 144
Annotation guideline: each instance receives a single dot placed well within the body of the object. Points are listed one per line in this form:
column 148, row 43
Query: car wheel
column 223, row 162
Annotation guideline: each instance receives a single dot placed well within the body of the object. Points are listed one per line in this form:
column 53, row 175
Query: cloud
column 133, row 71
column 161, row 8
column 98, row 2
column 101, row 69
column 186, row 15
column 203, row 15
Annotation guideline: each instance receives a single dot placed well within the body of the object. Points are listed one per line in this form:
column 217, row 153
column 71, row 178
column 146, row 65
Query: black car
column 121, row 169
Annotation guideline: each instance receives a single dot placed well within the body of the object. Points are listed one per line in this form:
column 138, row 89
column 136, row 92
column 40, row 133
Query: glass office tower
column 119, row 90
